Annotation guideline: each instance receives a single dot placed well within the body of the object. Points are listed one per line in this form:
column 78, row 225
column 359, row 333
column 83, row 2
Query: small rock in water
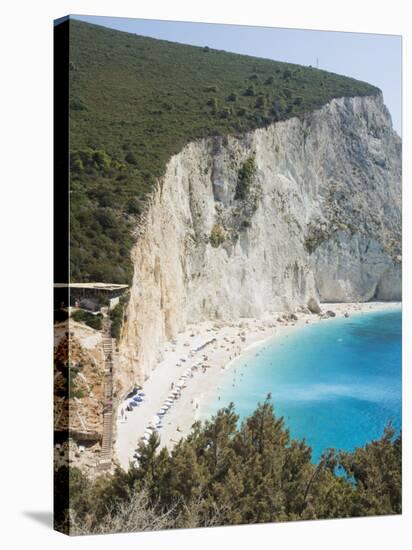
column 328, row 314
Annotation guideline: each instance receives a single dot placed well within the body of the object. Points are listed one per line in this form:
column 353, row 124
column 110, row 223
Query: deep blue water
column 337, row 383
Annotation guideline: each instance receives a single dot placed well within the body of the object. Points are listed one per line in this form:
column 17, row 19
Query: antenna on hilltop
column 317, row 62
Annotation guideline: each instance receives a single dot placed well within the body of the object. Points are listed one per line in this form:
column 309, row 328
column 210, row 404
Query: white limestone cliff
column 322, row 219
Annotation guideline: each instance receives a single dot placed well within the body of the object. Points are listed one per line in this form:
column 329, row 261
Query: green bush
column 92, row 159
column 93, row 321
column 245, row 178
column 250, row 91
column 217, row 235
column 131, row 158
column 101, row 159
column 76, row 104
column 116, row 316
column 225, row 112
column 73, row 390
column 212, row 102
column 260, row 102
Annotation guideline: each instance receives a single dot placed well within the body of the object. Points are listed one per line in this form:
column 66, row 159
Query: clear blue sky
column 374, row 58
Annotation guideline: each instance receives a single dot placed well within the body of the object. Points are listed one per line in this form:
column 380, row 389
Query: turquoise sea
column 337, row 383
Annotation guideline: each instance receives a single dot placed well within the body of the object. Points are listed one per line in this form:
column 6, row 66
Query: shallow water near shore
column 337, row 383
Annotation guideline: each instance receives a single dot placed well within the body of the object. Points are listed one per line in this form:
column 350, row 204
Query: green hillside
column 135, row 101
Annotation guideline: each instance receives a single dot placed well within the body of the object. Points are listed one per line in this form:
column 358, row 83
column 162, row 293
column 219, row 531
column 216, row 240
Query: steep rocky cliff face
column 244, row 225
column 78, row 381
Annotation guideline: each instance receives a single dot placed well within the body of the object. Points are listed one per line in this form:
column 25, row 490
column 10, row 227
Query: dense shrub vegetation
column 93, row 321
column 116, row 316
column 223, row 474
column 245, row 178
column 135, row 101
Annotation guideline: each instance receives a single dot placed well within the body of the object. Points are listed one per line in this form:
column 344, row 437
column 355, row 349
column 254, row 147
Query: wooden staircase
column 107, row 439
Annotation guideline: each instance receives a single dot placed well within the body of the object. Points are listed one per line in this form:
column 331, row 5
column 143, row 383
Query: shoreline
column 200, row 372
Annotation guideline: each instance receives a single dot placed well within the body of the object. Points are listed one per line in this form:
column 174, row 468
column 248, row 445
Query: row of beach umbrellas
column 156, row 424
column 138, row 398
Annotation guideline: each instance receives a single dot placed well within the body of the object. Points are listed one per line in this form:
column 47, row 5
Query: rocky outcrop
column 78, row 381
column 265, row 221
column 314, row 306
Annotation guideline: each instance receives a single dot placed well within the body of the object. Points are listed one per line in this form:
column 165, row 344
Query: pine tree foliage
column 224, row 473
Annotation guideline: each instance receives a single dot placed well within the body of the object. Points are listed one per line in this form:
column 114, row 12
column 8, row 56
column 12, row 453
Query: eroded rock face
column 78, row 406
column 321, row 217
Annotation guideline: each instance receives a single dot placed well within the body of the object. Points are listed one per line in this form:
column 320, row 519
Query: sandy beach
column 193, row 366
